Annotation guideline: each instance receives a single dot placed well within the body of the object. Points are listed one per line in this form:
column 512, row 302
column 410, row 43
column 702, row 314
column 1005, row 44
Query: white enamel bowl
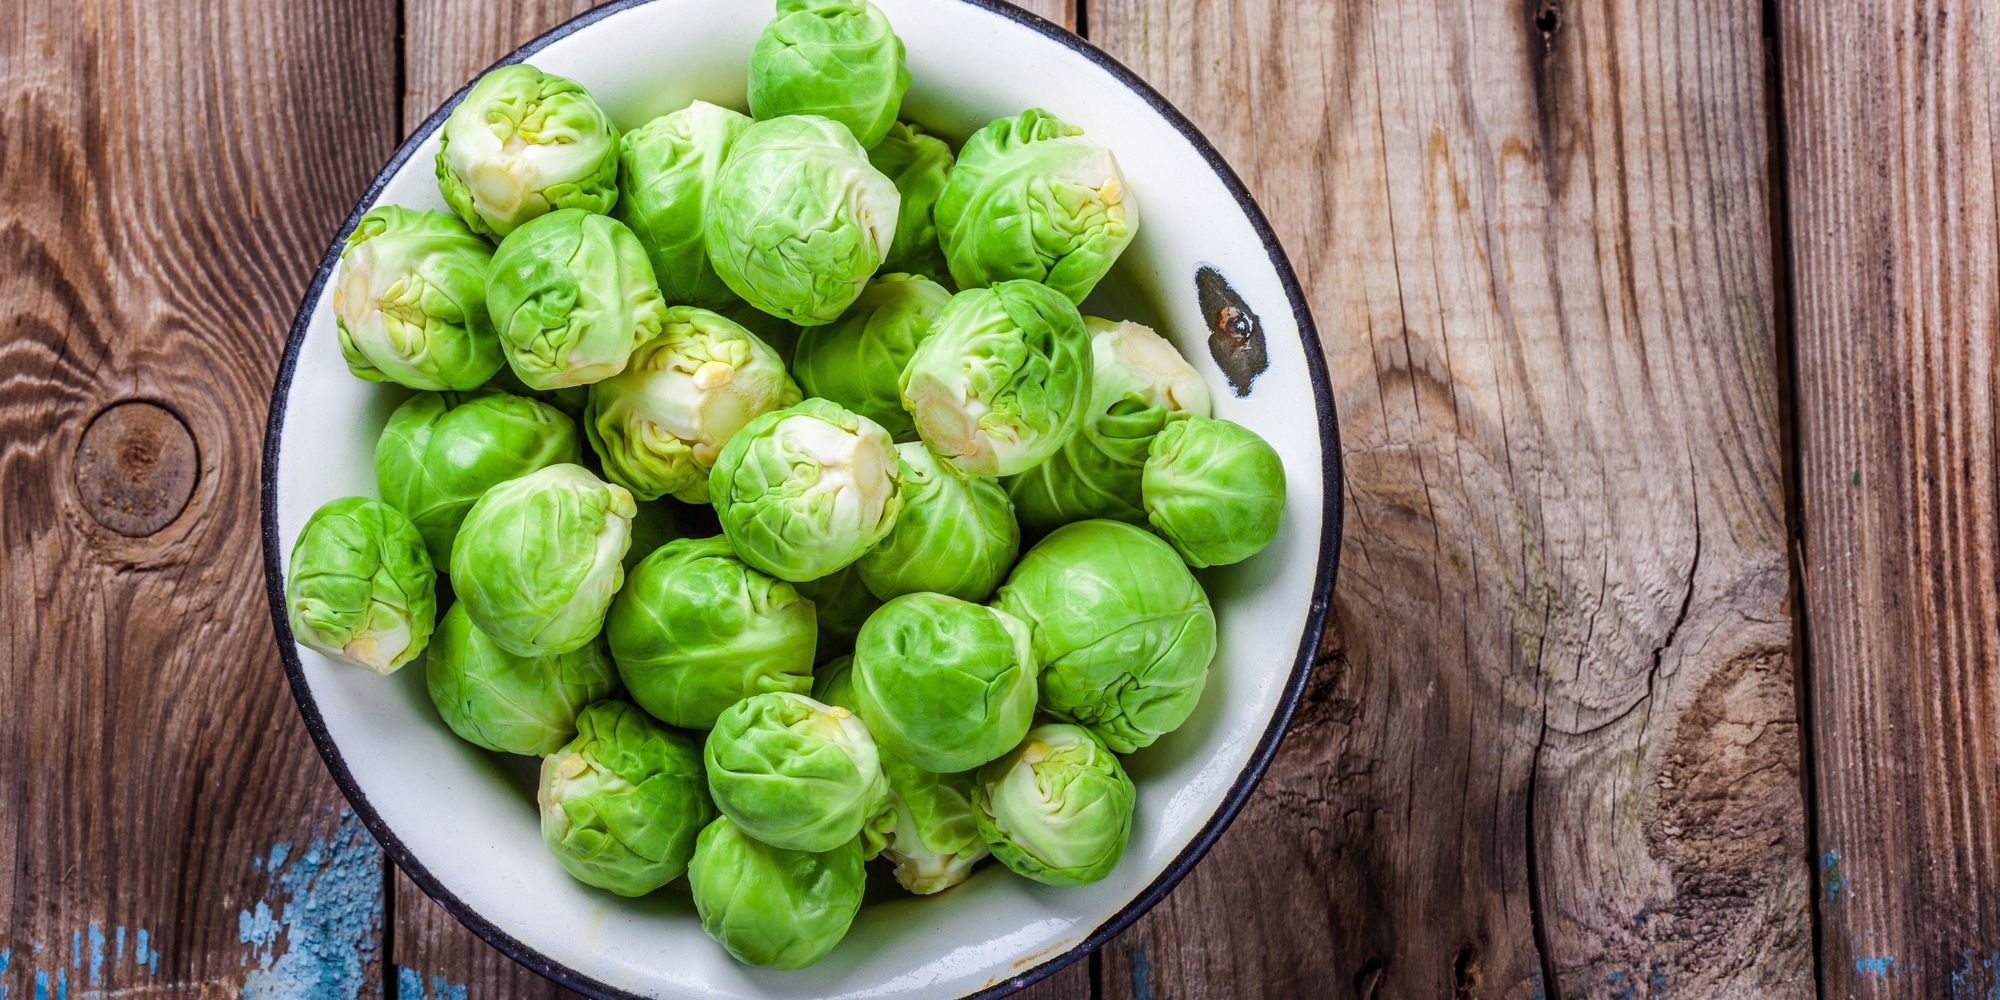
column 462, row 822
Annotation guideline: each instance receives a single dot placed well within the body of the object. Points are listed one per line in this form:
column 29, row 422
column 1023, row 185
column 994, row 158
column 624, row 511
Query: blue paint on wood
column 1831, row 877
column 118, row 936
column 41, row 985
column 96, row 955
column 1622, row 987
column 1966, row 981
column 326, row 904
column 1142, row 975
column 1878, row 965
column 139, row 949
column 410, row 986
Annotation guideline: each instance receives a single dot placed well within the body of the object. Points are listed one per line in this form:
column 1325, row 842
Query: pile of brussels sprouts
column 724, row 486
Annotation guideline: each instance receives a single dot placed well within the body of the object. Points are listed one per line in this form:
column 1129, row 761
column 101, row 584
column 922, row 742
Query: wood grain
column 169, row 175
column 1552, row 747
column 1890, row 114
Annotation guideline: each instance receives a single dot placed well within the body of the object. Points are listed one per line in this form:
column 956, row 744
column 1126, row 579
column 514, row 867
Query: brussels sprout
column 1030, row 197
column 695, row 631
column 538, row 558
column 834, row 58
column 1123, row 633
column 623, row 803
column 804, row 491
column 856, row 361
column 1058, row 809
column 1138, row 383
column 795, row 773
column 523, row 143
column 842, row 602
column 935, row 840
column 1215, row 490
column 409, row 301
column 918, row 164
column 359, row 586
column 572, row 295
column 769, row 906
column 513, row 704
column 942, row 683
column 667, row 168
column 659, row 424
column 954, row 536
column 441, row 452
column 798, row 220
column 1000, row 383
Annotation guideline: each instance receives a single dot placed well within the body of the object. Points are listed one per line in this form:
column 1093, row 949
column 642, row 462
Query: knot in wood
column 136, row 467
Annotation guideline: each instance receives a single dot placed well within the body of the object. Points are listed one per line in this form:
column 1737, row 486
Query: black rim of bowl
column 1232, row 802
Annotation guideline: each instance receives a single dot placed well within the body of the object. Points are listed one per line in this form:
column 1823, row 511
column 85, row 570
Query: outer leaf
column 359, row 587
column 1123, row 632
column 622, row 804
column 1058, row 809
column 769, row 906
column 1031, row 198
column 834, row 58
column 538, row 558
column 798, row 219
column 695, row 630
column 409, row 301
column 523, row 143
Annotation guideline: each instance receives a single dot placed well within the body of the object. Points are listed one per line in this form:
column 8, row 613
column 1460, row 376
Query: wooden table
column 1666, row 653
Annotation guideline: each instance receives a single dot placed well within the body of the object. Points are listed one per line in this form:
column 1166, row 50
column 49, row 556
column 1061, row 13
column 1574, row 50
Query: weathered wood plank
column 169, row 175
column 1552, row 746
column 1890, row 115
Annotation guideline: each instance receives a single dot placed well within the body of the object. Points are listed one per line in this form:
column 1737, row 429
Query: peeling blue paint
column 96, row 955
column 1142, row 975
column 1831, row 877
column 1879, row 965
column 118, row 935
column 1966, row 980
column 1621, row 986
column 328, row 908
column 410, row 986
column 140, row 951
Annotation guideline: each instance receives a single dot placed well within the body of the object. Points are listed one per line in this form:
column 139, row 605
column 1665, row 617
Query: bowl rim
column 1232, row 801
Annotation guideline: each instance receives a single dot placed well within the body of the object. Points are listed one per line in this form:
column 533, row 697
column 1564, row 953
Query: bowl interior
column 464, row 821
